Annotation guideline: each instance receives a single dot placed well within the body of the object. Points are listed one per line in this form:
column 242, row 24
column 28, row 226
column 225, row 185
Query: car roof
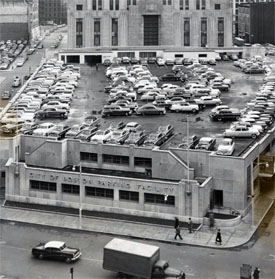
column 54, row 244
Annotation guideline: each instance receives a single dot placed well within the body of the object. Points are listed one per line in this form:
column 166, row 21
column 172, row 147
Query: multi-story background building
column 19, row 19
column 52, row 11
column 256, row 22
column 120, row 23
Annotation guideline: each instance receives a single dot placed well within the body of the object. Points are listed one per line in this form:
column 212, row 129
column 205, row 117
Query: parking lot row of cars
column 9, row 50
column 47, row 95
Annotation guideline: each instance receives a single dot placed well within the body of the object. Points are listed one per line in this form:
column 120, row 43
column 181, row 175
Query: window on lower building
column 99, row 5
column 220, row 32
column 147, row 54
column 111, row 5
column 129, row 195
column 151, row 30
column 198, row 4
column 115, row 159
column 203, row 4
column 117, row 5
column 203, row 31
column 79, row 40
column 143, row 162
column 181, row 4
column 43, row 185
column 70, row 189
column 97, row 31
column 99, row 192
column 159, row 199
column 217, row 6
column 186, row 6
column 187, row 32
column 126, row 54
column 85, row 156
column 128, row 4
column 79, row 7
column 114, row 31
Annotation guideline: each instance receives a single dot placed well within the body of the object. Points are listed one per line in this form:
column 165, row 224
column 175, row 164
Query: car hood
column 223, row 149
column 172, row 273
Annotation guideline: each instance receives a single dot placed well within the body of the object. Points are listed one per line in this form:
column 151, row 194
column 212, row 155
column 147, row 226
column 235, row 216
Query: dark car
column 150, row 109
column 225, row 114
column 28, row 128
column 107, row 62
column 206, row 143
column 134, row 60
column 52, row 113
column 56, row 250
column 152, row 60
column 254, row 70
column 170, row 77
column 115, row 110
column 136, row 138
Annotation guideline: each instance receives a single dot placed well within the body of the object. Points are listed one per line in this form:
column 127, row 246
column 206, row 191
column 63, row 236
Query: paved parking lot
column 89, row 98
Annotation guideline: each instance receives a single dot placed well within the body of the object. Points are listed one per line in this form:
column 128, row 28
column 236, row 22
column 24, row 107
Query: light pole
column 188, row 161
column 80, row 193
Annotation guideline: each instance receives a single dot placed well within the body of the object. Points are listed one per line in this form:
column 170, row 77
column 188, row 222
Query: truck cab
column 162, row 270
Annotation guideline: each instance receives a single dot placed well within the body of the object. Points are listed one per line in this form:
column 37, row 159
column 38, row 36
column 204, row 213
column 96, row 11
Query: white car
column 208, row 101
column 184, row 107
column 43, row 129
column 150, row 96
column 160, row 62
column 56, row 104
column 101, row 136
column 241, row 132
column 132, row 126
column 20, row 62
column 226, row 147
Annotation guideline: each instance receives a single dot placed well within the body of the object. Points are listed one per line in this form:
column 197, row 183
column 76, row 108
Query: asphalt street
column 198, row 263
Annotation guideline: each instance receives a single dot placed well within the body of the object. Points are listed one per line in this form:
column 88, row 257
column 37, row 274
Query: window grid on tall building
column 203, row 32
column 186, row 32
column 220, row 32
column 203, row 4
column 186, row 5
column 114, row 31
column 181, row 4
column 97, row 31
column 198, row 4
column 79, row 32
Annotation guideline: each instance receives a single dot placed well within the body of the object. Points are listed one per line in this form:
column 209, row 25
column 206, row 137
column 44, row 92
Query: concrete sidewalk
column 231, row 237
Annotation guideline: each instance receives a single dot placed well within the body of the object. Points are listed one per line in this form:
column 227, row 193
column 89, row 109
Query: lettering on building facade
column 104, row 183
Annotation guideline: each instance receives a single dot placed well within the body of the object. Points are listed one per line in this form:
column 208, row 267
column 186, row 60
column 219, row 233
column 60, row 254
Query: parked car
column 28, row 128
column 156, row 139
column 132, row 126
column 170, row 77
column 206, row 143
column 59, row 131
column 86, row 133
column 16, row 82
column 254, row 70
column 136, row 138
column 101, row 136
column 10, row 129
column 184, row 107
column 225, row 115
column 241, row 132
column 56, row 250
column 149, row 109
column 189, row 143
column 43, row 129
column 208, row 101
column 52, row 113
column 115, row 110
column 226, row 147
column 74, row 131
column 5, row 95
column 20, row 61
column 107, row 62
column 118, row 136
column 166, row 130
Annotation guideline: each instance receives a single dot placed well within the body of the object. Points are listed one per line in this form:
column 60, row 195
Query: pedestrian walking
column 190, row 225
column 256, row 273
column 96, row 66
column 177, row 223
column 178, row 232
column 219, row 237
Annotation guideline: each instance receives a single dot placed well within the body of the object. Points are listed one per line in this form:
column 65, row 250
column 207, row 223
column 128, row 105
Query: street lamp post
column 188, row 161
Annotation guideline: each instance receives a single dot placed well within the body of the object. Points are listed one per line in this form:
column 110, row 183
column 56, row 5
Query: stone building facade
column 120, row 23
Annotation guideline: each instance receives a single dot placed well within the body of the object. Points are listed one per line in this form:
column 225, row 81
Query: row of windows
column 116, row 159
column 114, row 4
column 103, row 192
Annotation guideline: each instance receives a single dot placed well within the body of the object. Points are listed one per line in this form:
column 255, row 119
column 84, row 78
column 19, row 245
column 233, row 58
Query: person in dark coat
column 256, row 273
column 190, row 225
column 177, row 223
column 219, row 237
column 178, row 232
column 96, row 66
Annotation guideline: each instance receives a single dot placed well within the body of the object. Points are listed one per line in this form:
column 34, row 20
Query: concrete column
column 71, row 30
column 131, row 155
column 141, row 201
column 212, row 32
column 123, row 28
column 116, row 198
column 228, row 29
column 195, row 201
column 195, row 31
column 58, row 191
column 178, row 29
column 87, row 35
column 106, row 29
column 181, row 202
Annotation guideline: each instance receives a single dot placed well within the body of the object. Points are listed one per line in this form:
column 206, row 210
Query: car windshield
column 86, row 132
column 75, row 129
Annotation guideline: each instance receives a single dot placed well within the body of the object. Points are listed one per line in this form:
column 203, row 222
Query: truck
column 139, row 260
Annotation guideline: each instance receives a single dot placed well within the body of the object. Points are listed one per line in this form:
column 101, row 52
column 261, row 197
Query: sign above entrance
column 151, row 8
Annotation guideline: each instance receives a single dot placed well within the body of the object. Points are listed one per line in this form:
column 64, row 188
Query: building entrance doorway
column 93, row 59
column 73, row 59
